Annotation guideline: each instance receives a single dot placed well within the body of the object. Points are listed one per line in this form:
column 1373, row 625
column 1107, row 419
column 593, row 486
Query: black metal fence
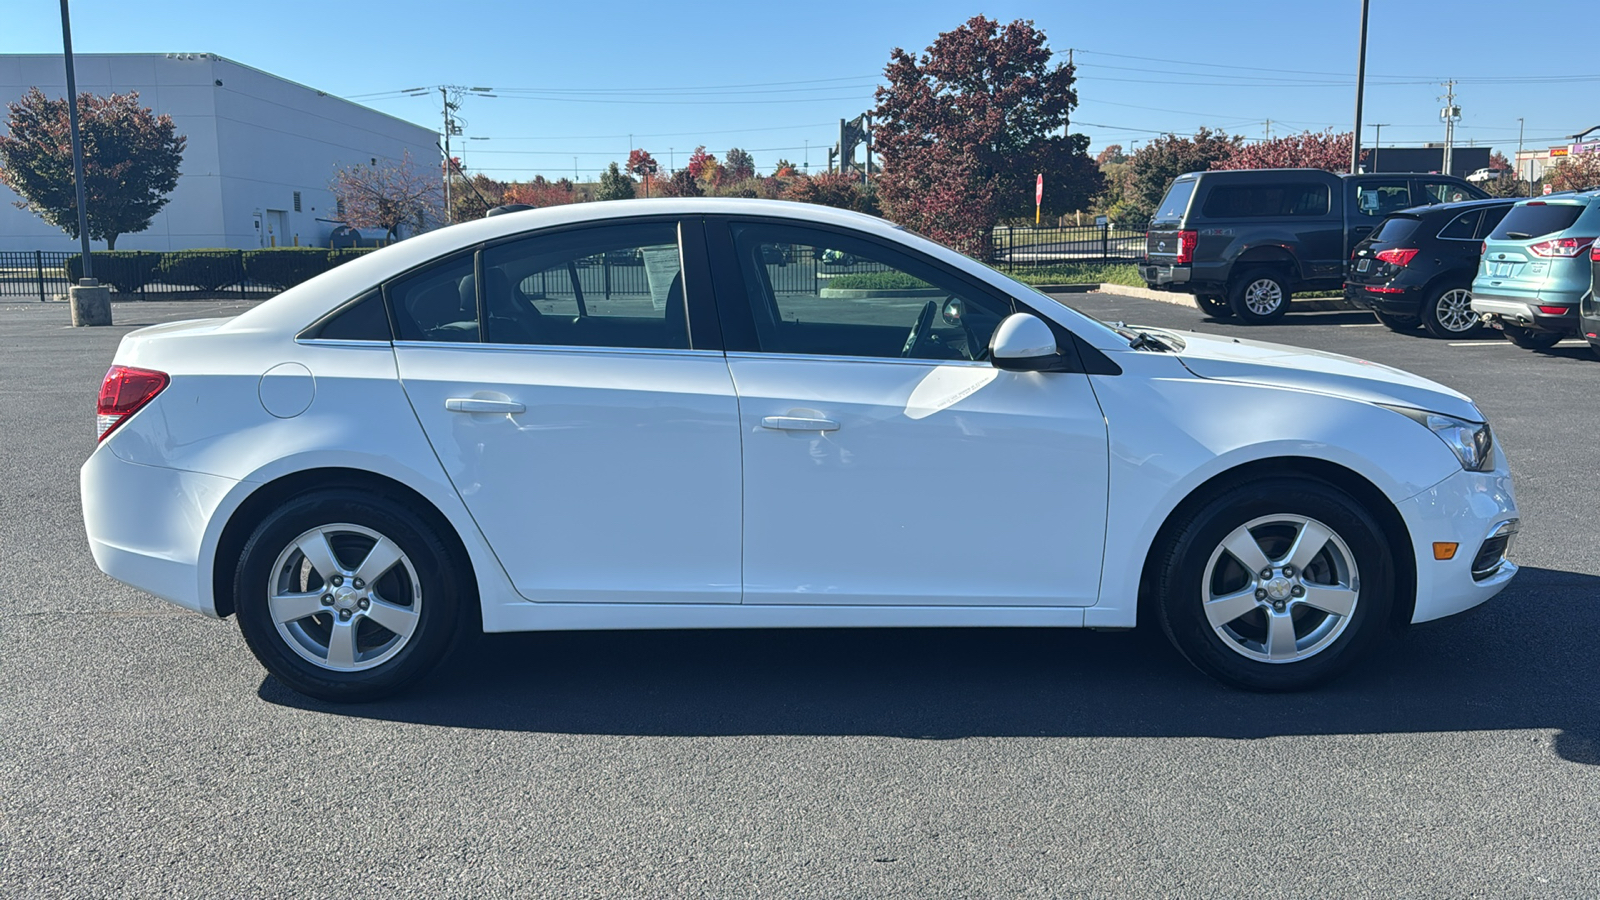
column 1028, row 247
column 45, row 275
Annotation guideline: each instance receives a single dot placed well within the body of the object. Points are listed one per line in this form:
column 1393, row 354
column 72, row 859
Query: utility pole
column 1377, row 144
column 1449, row 114
column 1520, row 126
column 1267, row 132
column 449, row 126
column 866, row 173
column 450, row 101
column 1361, row 85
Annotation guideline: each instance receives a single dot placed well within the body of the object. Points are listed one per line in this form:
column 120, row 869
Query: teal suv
column 1534, row 268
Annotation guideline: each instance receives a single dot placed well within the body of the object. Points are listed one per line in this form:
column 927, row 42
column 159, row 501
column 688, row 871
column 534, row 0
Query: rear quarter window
column 1267, row 201
column 1535, row 220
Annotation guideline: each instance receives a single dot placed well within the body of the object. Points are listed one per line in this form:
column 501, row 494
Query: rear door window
column 1535, row 220
column 1376, row 199
column 1267, row 201
column 436, row 303
column 1462, row 227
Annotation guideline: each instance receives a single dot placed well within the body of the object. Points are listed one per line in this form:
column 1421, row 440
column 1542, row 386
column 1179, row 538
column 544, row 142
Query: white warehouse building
column 260, row 155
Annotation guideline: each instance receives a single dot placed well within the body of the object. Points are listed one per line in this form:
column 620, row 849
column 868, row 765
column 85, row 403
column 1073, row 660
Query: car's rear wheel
column 1260, row 296
column 1276, row 584
column 348, row 596
column 1213, row 305
column 1447, row 313
column 1528, row 339
column 1400, row 324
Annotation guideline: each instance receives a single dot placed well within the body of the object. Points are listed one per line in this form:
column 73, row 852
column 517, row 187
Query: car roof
column 1561, row 198
column 1453, row 208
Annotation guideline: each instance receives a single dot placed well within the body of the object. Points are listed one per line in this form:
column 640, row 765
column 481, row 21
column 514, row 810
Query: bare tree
column 391, row 195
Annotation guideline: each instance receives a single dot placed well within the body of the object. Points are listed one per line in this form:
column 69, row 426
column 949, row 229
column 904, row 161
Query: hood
column 1258, row 362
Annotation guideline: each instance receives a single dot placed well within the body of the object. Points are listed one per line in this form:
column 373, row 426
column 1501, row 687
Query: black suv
column 1417, row 267
column 1245, row 240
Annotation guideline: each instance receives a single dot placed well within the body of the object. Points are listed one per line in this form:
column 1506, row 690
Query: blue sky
column 576, row 79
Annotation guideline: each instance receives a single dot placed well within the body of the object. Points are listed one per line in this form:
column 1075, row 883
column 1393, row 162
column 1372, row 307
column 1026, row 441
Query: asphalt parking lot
column 144, row 752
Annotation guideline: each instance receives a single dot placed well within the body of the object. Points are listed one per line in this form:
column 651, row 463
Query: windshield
column 1174, row 204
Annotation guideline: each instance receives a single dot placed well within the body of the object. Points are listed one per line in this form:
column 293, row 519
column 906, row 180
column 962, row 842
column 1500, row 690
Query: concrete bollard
column 91, row 303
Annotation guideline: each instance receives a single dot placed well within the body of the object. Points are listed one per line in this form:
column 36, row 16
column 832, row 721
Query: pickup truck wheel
column 1259, row 296
column 1447, row 313
column 1213, row 305
column 1528, row 339
column 1401, row 324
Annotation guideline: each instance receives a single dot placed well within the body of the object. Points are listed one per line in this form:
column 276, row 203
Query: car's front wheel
column 1276, row 584
column 1260, row 296
column 348, row 596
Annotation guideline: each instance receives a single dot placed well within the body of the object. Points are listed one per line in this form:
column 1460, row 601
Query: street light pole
column 1377, row 144
column 1361, row 84
column 1520, row 125
column 77, row 143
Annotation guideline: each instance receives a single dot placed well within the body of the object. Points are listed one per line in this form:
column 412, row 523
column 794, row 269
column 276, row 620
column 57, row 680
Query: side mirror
column 1024, row 343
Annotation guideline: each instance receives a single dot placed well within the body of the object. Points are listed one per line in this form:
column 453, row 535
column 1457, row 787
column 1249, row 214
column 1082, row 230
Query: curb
column 1319, row 304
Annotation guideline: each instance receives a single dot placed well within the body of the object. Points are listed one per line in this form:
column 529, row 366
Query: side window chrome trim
column 892, row 360
column 558, row 348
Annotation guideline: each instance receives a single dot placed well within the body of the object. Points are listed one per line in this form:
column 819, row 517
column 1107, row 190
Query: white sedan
column 674, row 414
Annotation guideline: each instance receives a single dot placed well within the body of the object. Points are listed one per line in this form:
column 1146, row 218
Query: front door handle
column 798, row 423
column 475, row 405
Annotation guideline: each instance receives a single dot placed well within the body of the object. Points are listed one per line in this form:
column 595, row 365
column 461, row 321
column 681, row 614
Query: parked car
column 408, row 446
column 1588, row 307
column 1243, row 242
column 1535, row 268
column 1416, row 267
column 1487, row 174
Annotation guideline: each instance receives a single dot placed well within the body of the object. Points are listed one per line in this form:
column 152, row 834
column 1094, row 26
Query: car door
column 886, row 462
column 592, row 433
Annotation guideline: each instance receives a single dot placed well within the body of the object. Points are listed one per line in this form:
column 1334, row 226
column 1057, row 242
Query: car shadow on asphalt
column 1526, row 660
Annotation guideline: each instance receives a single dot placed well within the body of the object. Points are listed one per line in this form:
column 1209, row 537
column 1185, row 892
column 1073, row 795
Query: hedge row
column 130, row 271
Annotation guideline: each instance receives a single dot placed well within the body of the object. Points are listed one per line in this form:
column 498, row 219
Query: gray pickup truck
column 1244, row 241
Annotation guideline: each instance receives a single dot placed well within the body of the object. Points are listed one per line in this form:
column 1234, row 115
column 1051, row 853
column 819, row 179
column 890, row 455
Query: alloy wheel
column 1263, row 296
column 1280, row 588
column 344, row 597
column 1453, row 310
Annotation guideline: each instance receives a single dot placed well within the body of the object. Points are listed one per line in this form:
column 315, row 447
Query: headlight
column 1472, row 442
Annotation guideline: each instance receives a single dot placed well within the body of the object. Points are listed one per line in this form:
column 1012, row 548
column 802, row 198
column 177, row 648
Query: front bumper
column 1466, row 509
column 148, row 526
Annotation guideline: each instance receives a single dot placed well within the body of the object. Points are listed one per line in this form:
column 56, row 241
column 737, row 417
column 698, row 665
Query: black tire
column 1595, row 349
column 1259, row 296
column 1194, row 550
column 1213, row 305
column 428, row 590
column 1400, row 324
column 1447, row 313
column 1529, row 339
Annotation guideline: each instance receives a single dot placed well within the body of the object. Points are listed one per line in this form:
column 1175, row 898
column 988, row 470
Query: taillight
column 1186, row 244
column 1397, row 257
column 1594, row 251
column 124, row 392
column 1555, row 310
column 1561, row 247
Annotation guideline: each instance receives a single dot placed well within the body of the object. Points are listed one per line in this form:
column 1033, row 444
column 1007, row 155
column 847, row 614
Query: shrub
column 125, row 270
column 285, row 267
column 207, row 270
column 340, row 257
column 877, row 281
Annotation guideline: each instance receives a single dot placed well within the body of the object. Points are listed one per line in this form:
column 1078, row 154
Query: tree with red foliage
column 1111, row 154
column 681, row 184
column 964, row 129
column 1577, row 172
column 642, row 164
column 1152, row 169
column 703, row 166
column 834, row 189
column 130, row 162
column 540, row 192
column 389, row 195
column 1308, row 150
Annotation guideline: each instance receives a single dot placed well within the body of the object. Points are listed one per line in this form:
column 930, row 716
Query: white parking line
column 1480, row 344
column 1362, row 325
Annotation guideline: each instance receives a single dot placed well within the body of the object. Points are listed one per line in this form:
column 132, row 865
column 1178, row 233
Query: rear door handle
column 798, row 423
column 475, row 405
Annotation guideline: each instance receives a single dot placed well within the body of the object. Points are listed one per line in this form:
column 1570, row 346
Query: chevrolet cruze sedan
column 672, row 414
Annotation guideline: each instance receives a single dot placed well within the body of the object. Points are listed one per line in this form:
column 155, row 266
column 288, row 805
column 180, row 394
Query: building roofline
column 216, row 57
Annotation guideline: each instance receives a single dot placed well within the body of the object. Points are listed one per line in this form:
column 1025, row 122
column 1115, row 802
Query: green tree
column 131, row 159
column 964, row 129
column 614, row 184
column 1152, row 169
column 738, row 165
